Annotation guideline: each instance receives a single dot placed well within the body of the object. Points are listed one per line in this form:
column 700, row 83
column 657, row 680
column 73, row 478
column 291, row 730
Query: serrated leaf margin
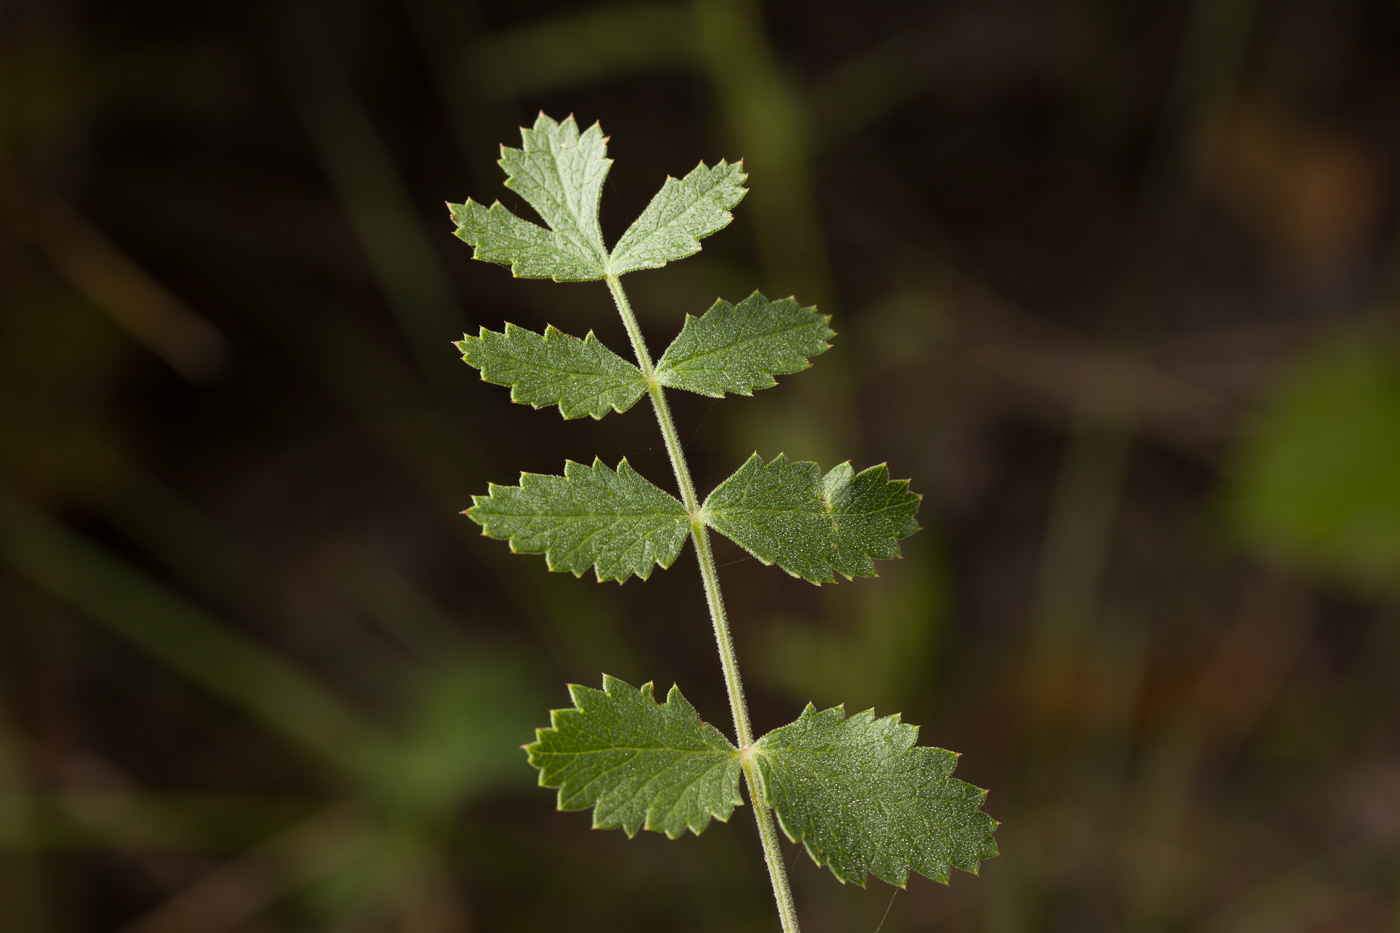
column 676, row 703
column 469, row 347
column 905, row 735
column 624, row 471
column 818, row 559
column 675, row 372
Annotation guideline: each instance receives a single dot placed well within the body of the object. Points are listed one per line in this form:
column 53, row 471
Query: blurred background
column 1116, row 284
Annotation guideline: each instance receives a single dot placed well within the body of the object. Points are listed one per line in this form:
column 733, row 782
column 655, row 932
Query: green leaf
column 615, row 522
column 532, row 251
column 774, row 512
column 786, row 513
column 678, row 216
column 559, row 172
column 863, row 799
column 740, row 349
column 637, row 763
column 869, row 514
column 582, row 377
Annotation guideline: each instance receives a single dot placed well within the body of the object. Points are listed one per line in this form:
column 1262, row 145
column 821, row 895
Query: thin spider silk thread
column 887, row 911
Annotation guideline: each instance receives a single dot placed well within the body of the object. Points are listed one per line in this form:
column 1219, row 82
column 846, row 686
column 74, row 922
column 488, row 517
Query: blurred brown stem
column 126, row 293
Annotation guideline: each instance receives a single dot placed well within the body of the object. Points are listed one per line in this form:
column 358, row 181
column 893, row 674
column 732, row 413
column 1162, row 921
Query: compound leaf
column 559, row 172
column 582, row 377
column 615, row 522
column 637, row 763
column 862, row 798
column 680, row 214
column 786, row 513
column 740, row 348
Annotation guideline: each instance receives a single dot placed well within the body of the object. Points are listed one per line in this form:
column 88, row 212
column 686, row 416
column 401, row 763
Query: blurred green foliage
column 1318, row 482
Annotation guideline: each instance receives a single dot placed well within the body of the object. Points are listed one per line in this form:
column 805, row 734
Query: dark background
column 1115, row 285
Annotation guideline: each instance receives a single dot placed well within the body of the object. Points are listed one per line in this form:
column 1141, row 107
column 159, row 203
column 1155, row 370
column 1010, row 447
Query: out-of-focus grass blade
column 86, row 821
column 461, row 739
column 869, row 87
column 25, row 902
column 767, row 124
column 563, row 51
column 375, row 198
column 118, row 286
column 237, row 892
column 139, row 610
column 178, row 534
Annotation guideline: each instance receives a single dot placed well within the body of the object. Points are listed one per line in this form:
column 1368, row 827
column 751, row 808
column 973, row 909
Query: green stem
column 767, row 830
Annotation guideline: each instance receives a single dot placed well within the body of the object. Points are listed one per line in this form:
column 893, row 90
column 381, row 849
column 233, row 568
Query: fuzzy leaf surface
column 773, row 511
column 739, row 348
column 785, row 512
column 582, row 377
column 531, row 251
column 559, row 172
column 638, row 763
column 862, row 798
column 680, row 214
column 612, row 521
column 869, row 514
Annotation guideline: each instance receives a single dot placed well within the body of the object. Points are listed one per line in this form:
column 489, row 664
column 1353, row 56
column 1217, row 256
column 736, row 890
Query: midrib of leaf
column 608, row 746
column 837, row 515
column 615, row 517
column 555, row 369
column 560, row 196
column 698, row 778
column 720, row 348
column 551, row 179
column 665, row 219
column 641, row 789
column 715, row 181
column 593, row 534
column 639, row 748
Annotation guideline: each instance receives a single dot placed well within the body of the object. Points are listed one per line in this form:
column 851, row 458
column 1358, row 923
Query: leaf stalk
column 709, row 574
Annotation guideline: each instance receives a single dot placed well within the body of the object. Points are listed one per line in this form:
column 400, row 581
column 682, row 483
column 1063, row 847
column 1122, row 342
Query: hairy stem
column 767, row 830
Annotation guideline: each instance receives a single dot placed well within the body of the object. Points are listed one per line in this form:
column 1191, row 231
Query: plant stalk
column 767, row 829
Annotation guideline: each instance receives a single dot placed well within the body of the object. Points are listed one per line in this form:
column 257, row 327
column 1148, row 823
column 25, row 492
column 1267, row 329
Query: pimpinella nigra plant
column 855, row 791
